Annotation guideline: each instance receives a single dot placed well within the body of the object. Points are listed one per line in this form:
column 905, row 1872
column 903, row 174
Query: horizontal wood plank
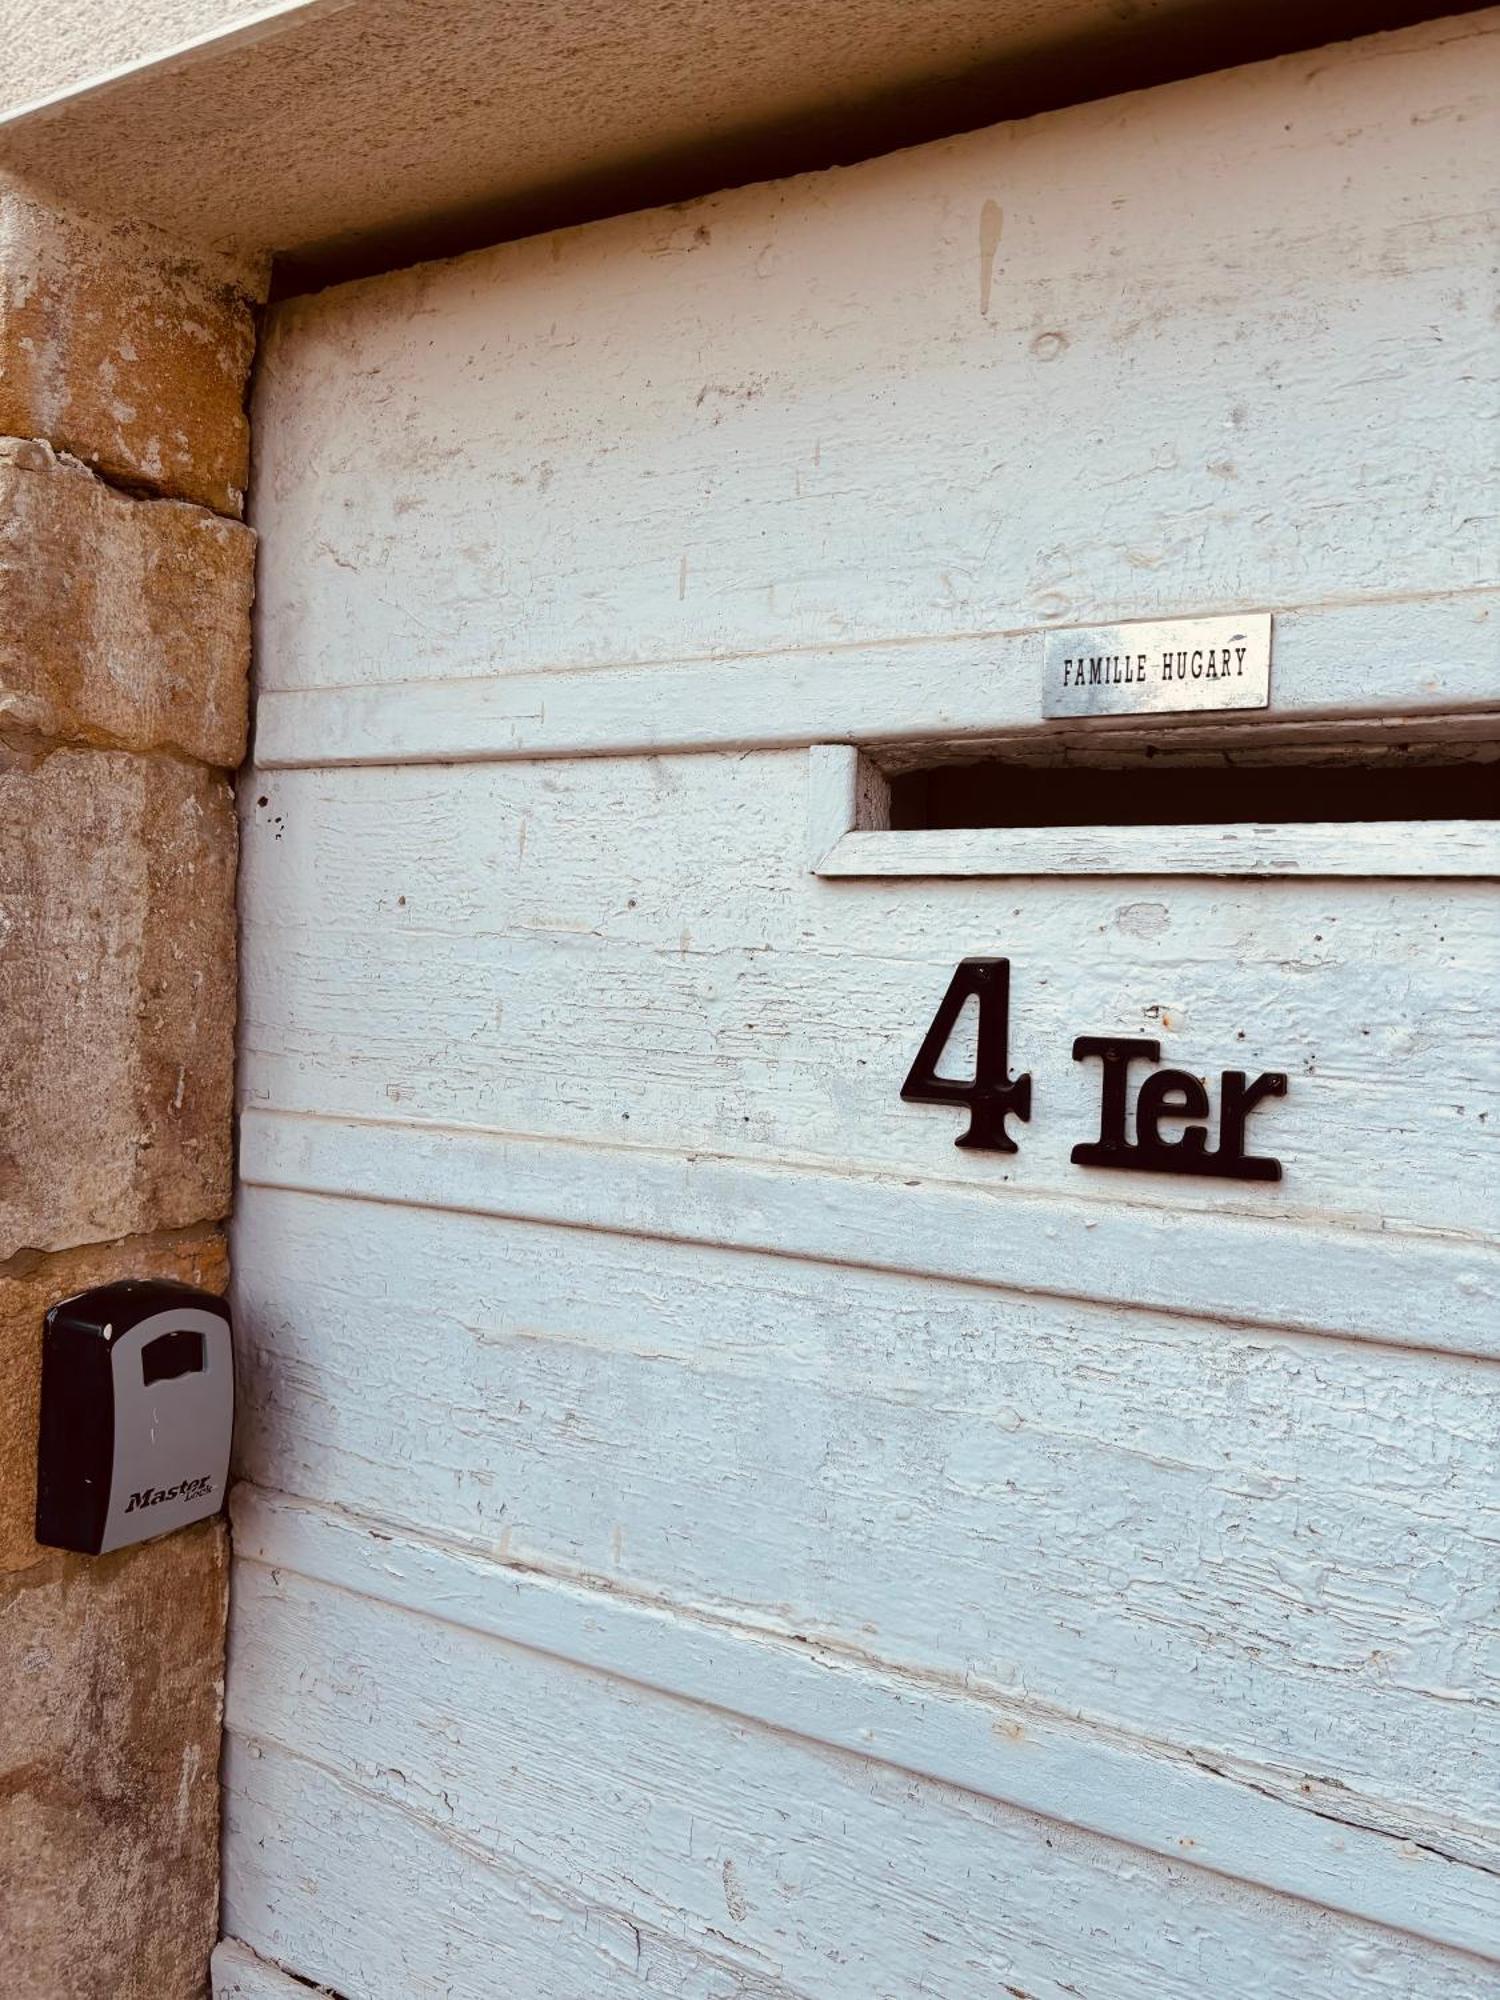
column 969, row 1901
column 1436, row 657
column 484, row 1739
column 1423, row 848
column 1409, row 1290
column 370, row 1898
column 1231, row 1541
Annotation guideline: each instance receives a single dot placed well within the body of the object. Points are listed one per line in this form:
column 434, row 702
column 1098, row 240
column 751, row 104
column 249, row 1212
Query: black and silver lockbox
column 137, row 1409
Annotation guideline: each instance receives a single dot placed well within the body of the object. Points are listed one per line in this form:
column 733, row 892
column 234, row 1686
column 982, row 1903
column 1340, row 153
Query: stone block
column 121, row 620
column 117, row 996
column 112, row 1668
column 123, row 353
column 29, row 1284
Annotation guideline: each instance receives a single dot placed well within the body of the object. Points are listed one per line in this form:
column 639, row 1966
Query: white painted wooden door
column 700, row 1532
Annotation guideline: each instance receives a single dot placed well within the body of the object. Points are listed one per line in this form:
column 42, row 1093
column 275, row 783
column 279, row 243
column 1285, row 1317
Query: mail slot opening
column 1154, row 786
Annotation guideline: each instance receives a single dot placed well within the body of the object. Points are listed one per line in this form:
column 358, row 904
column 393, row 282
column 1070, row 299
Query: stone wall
column 125, row 583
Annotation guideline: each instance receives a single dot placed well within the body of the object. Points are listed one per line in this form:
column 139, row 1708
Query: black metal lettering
column 1170, row 1093
column 1238, row 1100
column 1115, row 1055
column 991, row 1094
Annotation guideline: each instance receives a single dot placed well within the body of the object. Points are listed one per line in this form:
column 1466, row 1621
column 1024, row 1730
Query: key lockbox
column 137, row 1410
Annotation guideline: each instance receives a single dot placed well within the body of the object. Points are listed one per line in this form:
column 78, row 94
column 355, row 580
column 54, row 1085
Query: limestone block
column 121, row 620
column 112, row 1668
column 29, row 1284
column 128, row 356
column 117, row 972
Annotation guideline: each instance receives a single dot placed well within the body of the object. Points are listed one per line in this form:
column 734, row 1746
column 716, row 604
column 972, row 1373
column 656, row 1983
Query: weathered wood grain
column 1421, row 1291
column 784, row 1860
column 1262, row 1549
column 454, row 1917
column 241, row 1974
column 635, row 949
column 1422, row 658
column 1394, row 849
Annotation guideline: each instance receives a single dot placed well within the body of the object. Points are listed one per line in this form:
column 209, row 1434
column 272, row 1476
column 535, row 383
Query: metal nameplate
column 1168, row 666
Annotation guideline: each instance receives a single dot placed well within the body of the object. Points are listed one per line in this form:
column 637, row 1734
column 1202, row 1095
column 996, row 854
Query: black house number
column 993, row 1095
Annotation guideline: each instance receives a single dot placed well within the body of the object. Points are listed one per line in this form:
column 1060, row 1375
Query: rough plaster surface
column 113, row 1678
column 50, row 48
column 122, row 621
column 29, row 1285
column 122, row 353
column 116, row 996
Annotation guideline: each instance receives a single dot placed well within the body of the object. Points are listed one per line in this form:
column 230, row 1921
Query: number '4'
column 991, row 1094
